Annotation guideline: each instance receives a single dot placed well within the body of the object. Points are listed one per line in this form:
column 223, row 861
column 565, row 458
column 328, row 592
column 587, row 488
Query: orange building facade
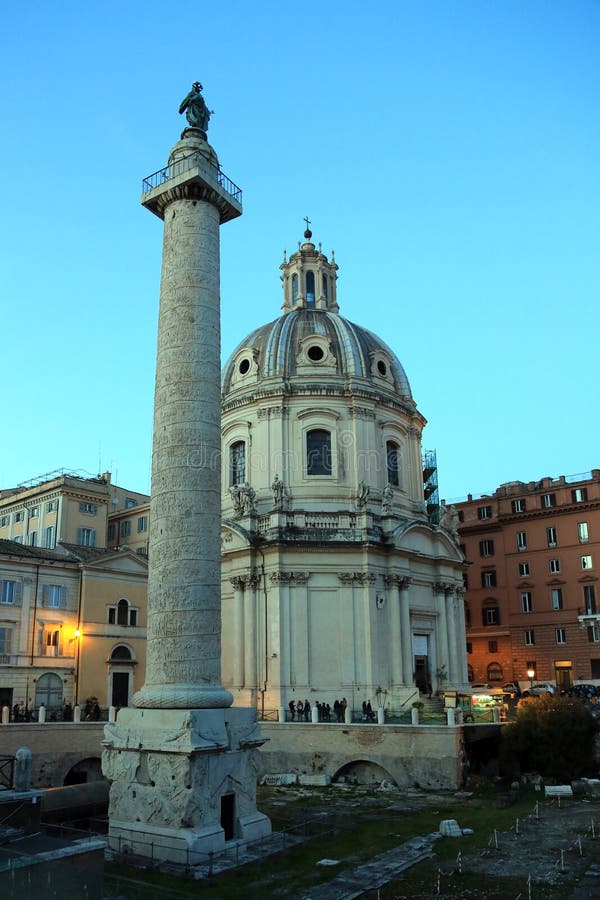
column 532, row 598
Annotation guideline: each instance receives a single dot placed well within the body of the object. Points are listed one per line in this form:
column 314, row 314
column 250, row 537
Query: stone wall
column 430, row 756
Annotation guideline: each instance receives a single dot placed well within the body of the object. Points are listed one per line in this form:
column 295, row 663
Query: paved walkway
column 375, row 873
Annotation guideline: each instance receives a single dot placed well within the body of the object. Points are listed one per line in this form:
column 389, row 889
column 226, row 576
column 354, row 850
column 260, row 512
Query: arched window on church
column 393, row 462
column 237, row 463
column 122, row 612
column 310, row 288
column 324, row 286
column 294, row 287
column 494, row 672
column 318, row 452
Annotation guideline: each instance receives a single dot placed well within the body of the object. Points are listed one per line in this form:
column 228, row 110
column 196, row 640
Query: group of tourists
column 301, row 712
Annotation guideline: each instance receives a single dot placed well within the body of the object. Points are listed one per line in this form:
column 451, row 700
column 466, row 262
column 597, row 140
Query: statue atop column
column 195, row 109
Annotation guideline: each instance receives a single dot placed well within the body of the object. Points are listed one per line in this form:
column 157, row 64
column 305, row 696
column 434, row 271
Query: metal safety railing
column 7, row 771
column 184, row 165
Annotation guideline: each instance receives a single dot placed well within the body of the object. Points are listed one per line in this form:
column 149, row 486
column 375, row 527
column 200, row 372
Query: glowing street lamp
column 530, row 674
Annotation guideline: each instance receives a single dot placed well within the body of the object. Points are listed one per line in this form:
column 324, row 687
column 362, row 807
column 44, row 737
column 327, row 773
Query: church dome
column 311, row 339
column 309, row 342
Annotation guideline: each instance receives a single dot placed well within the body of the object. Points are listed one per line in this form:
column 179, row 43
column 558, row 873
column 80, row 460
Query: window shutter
column 93, row 538
column 45, row 592
column 63, row 597
column 80, row 536
column 18, row 595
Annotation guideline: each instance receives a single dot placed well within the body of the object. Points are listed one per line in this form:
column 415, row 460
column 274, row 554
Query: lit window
column 521, row 540
column 548, row 500
column 579, row 495
column 554, row 565
column 560, row 635
column 484, row 512
column 237, row 463
column 586, row 562
column 523, row 569
column 557, row 598
column 318, row 452
column 582, row 532
column 529, row 637
column 551, row 536
column 393, row 462
column 486, row 548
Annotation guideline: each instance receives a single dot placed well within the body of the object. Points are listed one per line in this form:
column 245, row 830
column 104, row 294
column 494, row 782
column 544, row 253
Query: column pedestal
column 183, row 781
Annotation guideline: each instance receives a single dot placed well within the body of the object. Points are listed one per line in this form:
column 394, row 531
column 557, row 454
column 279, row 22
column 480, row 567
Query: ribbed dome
column 341, row 349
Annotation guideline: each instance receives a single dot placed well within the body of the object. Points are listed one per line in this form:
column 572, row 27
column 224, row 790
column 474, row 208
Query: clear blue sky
column 448, row 151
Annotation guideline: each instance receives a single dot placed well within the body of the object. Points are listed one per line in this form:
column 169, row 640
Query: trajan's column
column 182, row 763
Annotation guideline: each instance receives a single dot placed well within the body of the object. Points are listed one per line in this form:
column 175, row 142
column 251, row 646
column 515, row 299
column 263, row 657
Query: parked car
column 512, row 689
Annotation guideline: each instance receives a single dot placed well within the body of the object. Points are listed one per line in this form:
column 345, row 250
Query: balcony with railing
column 187, row 163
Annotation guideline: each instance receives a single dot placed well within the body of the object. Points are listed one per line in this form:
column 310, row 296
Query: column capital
column 289, row 577
column 401, row 581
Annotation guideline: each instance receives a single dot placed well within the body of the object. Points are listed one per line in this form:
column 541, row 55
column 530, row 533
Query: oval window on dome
column 382, row 368
column 244, row 366
column 315, row 353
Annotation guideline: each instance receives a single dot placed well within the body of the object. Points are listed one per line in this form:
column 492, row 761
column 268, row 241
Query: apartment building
column 531, row 597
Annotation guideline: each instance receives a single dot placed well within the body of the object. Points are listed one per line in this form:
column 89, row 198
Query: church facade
column 335, row 582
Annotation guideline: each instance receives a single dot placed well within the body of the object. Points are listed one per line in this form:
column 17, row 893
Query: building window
column 557, row 598
column 467, row 615
column 33, row 538
column 529, row 637
column 548, row 500
column 54, row 596
column 582, row 532
column 560, row 635
column 523, row 569
column 237, row 463
column 488, row 579
column 130, row 503
column 324, row 289
column 10, row 592
column 593, row 634
column 579, row 495
column 125, row 528
column 484, row 512
column 18, row 517
column 491, row 615
column 122, row 614
column 551, row 536
column 34, row 512
column 294, row 288
column 310, row 288
column 318, row 452
column 586, row 562
column 526, row 601
column 554, row 566
column 110, row 534
column 494, row 672
column 51, row 505
column 392, row 451
column 469, row 647
column 589, row 599
column 492, row 646
column 519, row 505
column 18, row 539
column 50, row 537
column 3, row 521
column 5, row 642
column 486, row 548
column 86, row 537
column 89, row 508
column 521, row 540
column 470, row 675
column 142, row 524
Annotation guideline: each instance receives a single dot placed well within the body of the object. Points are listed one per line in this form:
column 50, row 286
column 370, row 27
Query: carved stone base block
column 183, row 782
